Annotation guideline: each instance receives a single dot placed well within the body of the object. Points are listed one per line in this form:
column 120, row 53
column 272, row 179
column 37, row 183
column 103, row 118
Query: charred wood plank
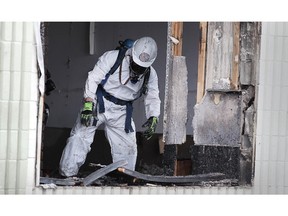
column 103, row 171
column 170, row 160
column 173, row 179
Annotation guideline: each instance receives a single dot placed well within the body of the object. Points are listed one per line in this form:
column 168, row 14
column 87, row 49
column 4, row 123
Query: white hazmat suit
column 123, row 144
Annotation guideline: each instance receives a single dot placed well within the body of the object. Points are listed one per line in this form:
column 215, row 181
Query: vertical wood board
column 236, row 52
column 177, row 33
column 202, row 62
column 177, row 105
column 219, row 55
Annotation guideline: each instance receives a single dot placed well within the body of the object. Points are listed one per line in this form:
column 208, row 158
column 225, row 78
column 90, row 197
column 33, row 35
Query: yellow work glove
column 86, row 114
column 151, row 125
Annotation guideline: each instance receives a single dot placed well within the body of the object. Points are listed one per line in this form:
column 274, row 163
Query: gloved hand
column 86, row 114
column 151, row 123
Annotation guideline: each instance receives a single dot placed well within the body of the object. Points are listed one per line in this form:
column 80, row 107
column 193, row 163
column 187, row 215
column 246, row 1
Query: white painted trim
column 40, row 61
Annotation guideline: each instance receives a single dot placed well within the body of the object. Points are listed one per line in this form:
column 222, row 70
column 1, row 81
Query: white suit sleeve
column 151, row 99
column 102, row 67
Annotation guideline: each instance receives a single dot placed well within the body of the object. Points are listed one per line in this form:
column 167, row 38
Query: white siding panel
column 2, row 177
column 137, row 190
column 279, row 30
column 284, row 100
column 4, row 85
column 6, row 31
column 117, row 190
column 271, row 159
column 258, row 147
column 278, row 49
column 100, row 190
column 261, row 99
column 270, row 46
column 28, row 58
column 268, row 74
column 16, row 57
column 272, row 174
column 11, row 175
column 260, row 126
column 280, row 175
column 285, row 50
column 31, row 148
column 264, row 174
column 286, row 149
column 15, row 82
column 78, row 191
column 280, row 190
column 17, row 31
column 268, row 92
column 273, row 148
column 28, row 33
column 5, row 55
column 10, row 191
column 284, row 75
column 125, row 191
column 267, row 122
column 257, row 177
column 28, row 115
column 285, row 29
column 33, row 109
column 276, row 99
column 3, row 146
column 261, row 76
column 281, row 151
column 22, row 166
column 4, row 108
column 23, row 138
column 265, row 148
column 277, row 73
column 13, row 115
column 286, row 174
column 18, row 107
column 282, row 123
column 12, row 145
column 264, row 32
column 29, row 91
column 24, row 115
column 271, row 27
column 29, row 178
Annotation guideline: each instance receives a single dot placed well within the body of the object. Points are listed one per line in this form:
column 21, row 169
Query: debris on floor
column 115, row 175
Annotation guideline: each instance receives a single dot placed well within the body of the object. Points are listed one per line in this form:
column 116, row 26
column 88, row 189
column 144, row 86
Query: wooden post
column 202, row 61
column 170, row 149
column 177, row 32
column 219, row 64
column 170, row 160
column 236, row 52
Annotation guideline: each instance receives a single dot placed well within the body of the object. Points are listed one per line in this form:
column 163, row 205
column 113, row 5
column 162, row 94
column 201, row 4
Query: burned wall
column 224, row 121
column 217, row 119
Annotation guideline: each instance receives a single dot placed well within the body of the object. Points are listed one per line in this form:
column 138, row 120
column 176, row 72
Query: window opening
column 67, row 60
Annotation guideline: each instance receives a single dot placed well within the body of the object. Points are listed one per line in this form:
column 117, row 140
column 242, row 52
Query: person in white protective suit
column 112, row 106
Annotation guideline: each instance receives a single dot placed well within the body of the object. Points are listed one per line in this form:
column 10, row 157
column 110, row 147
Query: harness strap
column 100, row 100
column 129, row 111
column 129, row 108
column 120, row 57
